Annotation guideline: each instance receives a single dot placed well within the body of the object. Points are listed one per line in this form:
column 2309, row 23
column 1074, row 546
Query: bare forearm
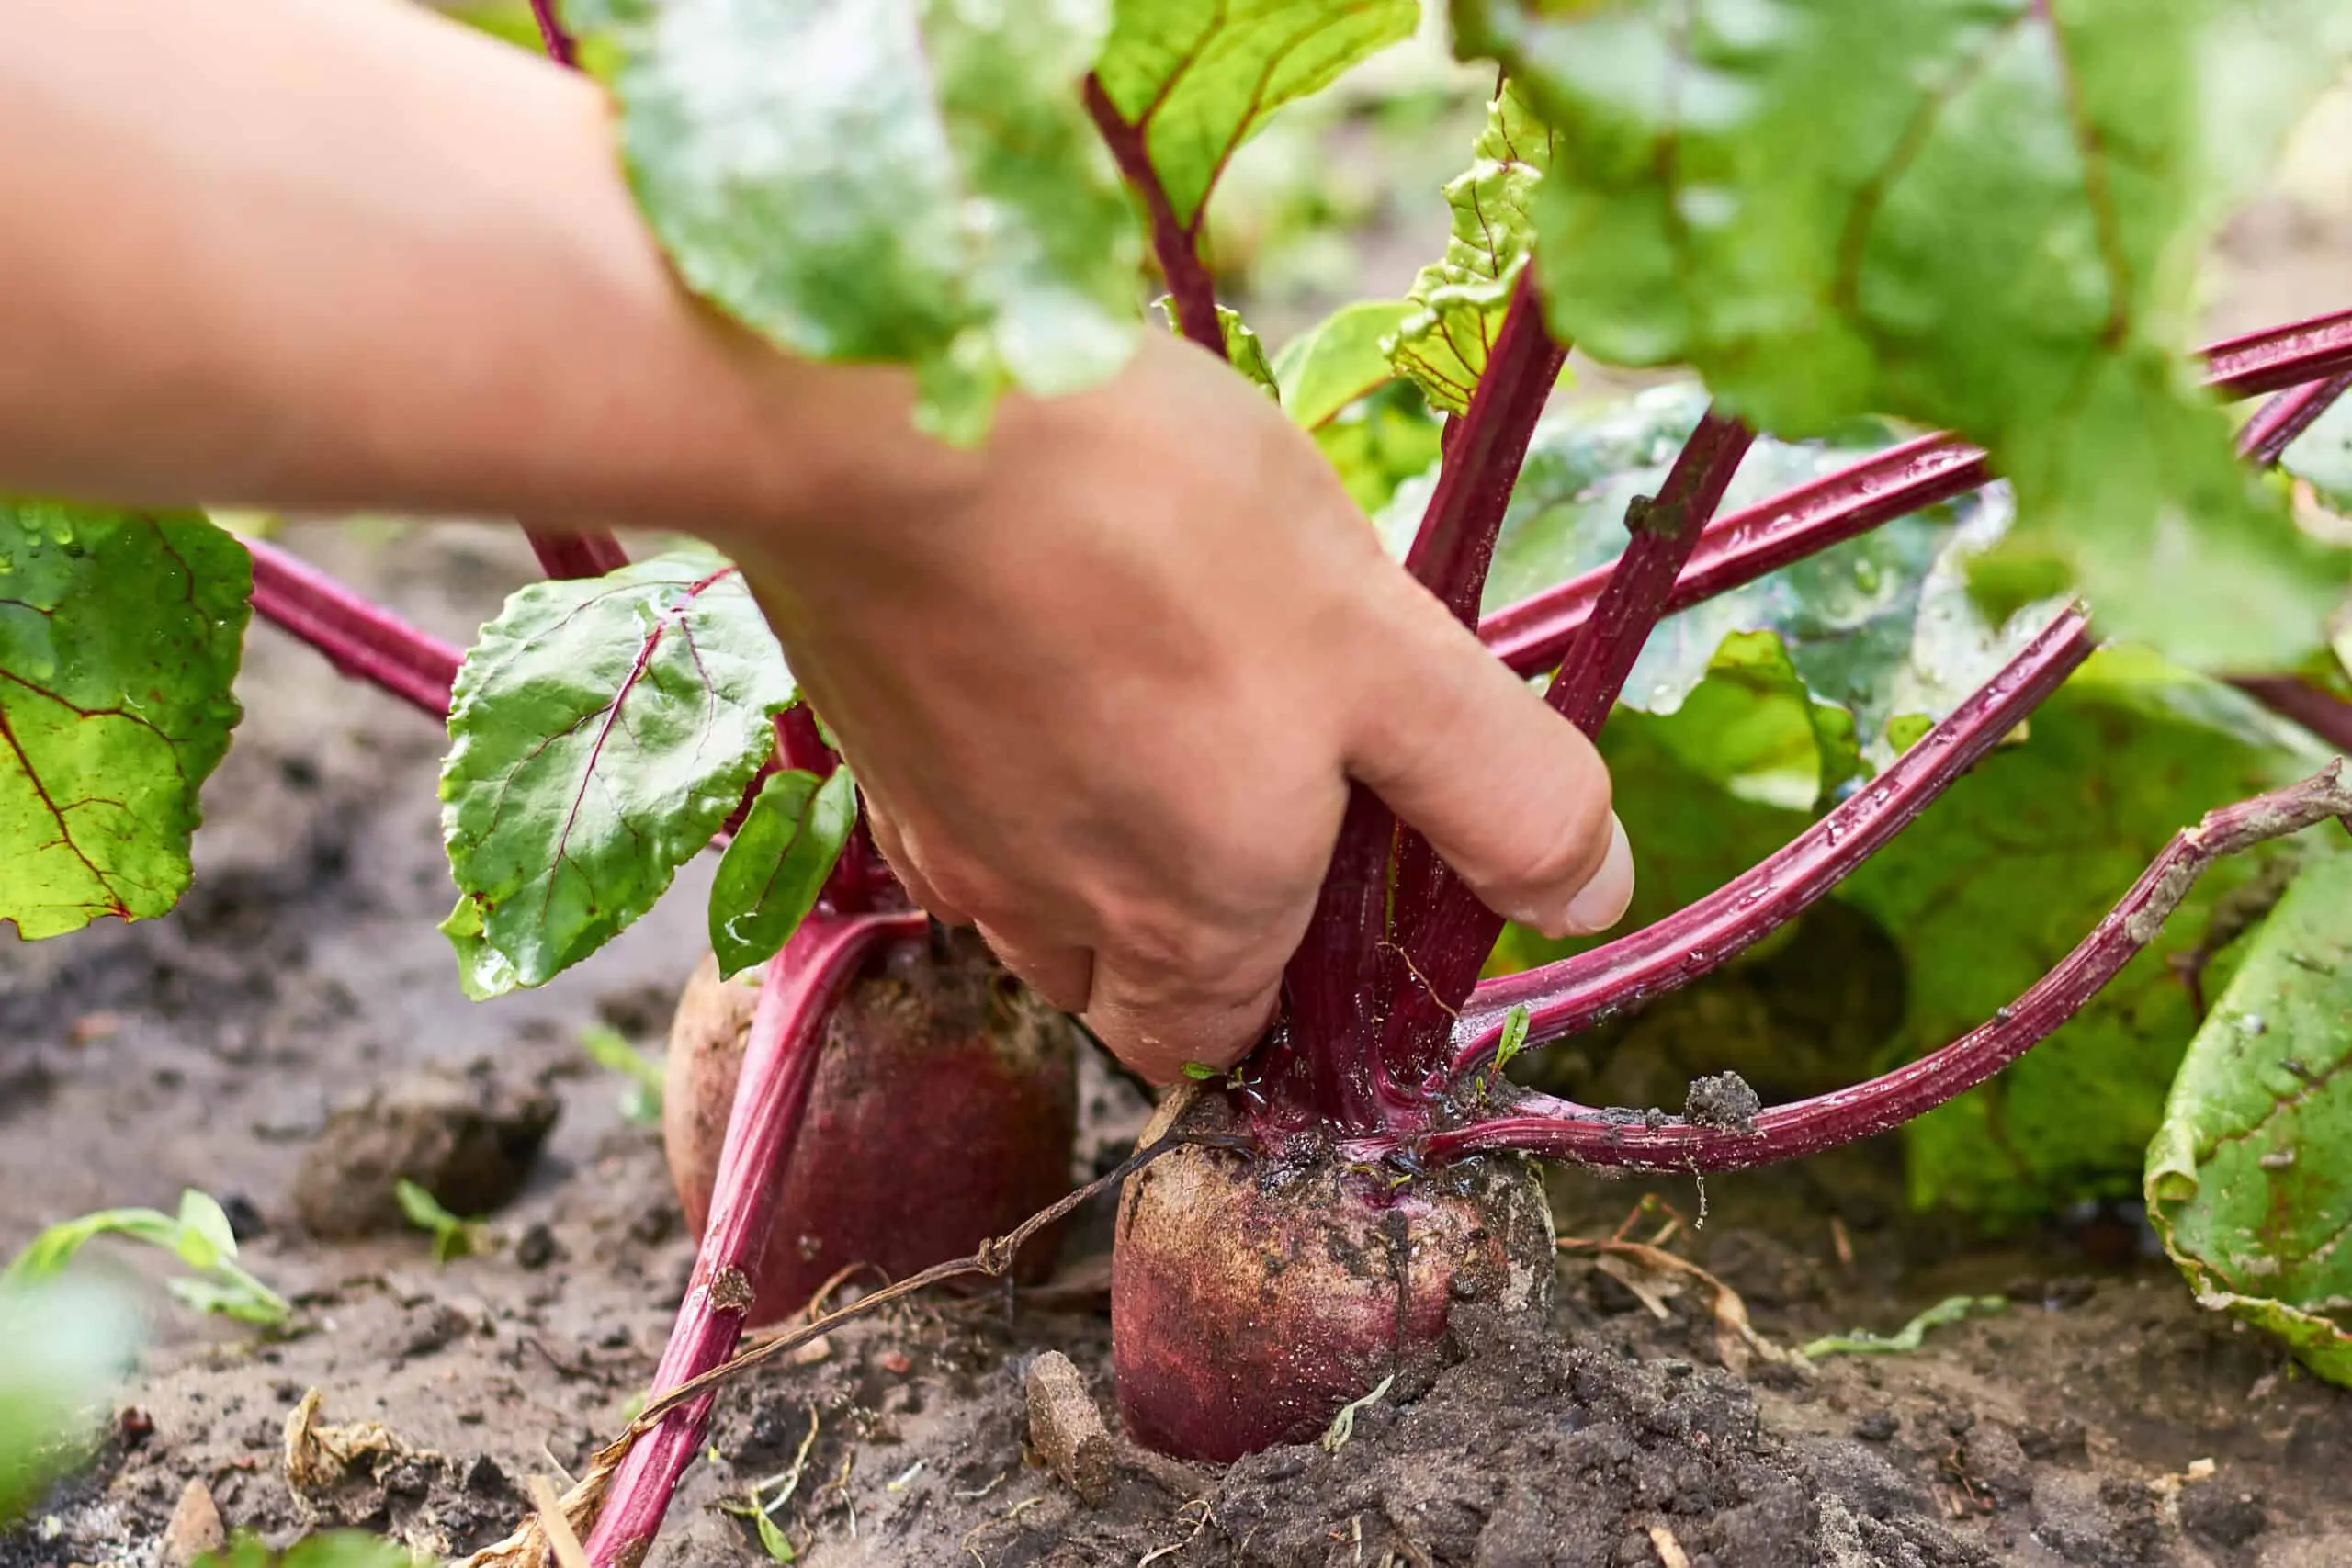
column 327, row 255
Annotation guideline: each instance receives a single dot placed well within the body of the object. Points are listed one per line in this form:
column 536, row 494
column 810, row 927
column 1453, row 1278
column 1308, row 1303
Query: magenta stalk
column 2277, row 357
column 1558, row 1130
column 1176, row 244
column 2265, row 438
column 1576, row 992
column 575, row 555
column 1345, row 972
column 560, row 48
column 796, row 995
column 361, row 639
column 1666, row 530
column 1451, row 932
column 1455, row 543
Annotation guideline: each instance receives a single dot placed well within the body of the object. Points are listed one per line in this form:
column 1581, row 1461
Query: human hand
column 1105, row 682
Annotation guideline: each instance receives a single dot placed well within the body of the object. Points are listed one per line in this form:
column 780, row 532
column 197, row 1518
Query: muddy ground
column 2101, row 1420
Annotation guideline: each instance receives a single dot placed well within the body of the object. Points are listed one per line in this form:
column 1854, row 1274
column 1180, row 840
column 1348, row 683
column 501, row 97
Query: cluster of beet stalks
column 1382, row 1058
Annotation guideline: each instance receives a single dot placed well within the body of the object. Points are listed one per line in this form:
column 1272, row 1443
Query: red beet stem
column 563, row 51
column 1450, row 931
column 1576, row 992
column 2276, row 357
column 797, row 994
column 1558, row 1130
column 575, row 555
column 1176, row 244
column 1455, row 543
column 365, row 641
column 1351, row 967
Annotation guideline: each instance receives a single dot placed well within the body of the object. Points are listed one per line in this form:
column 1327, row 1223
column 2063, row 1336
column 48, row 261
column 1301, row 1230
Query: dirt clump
column 468, row 1140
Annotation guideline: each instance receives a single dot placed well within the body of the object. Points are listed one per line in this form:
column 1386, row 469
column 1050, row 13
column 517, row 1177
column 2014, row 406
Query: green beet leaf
column 1380, row 441
column 773, row 871
column 1462, row 299
column 602, row 731
column 120, row 638
column 2249, row 1179
column 1197, row 78
column 909, row 181
column 2012, row 868
column 1981, row 214
column 1338, row 360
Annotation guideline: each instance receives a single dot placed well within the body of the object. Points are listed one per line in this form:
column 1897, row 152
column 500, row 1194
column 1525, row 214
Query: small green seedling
column 452, row 1238
column 1909, row 1337
column 641, row 1100
column 1343, row 1426
column 199, row 1235
column 761, row 1507
column 1514, row 1038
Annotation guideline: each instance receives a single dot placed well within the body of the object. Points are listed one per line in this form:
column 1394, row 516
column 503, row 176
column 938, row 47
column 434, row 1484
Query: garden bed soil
column 2102, row 1420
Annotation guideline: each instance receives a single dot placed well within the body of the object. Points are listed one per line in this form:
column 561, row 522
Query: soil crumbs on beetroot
column 2102, row 1420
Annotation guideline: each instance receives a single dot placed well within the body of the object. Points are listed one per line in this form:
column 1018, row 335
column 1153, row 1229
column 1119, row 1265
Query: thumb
column 1509, row 792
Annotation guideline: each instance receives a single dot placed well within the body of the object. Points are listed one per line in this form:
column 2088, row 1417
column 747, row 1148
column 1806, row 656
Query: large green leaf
column 1462, row 298
column 602, row 731
column 1198, row 77
column 904, row 181
column 1338, row 360
column 2012, row 868
column 120, row 636
column 1983, row 214
column 2249, row 1181
column 770, row 876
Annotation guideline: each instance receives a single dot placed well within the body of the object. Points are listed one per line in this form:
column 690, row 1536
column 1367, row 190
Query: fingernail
column 1600, row 903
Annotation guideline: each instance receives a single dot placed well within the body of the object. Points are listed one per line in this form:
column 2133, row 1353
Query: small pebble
column 1877, row 1426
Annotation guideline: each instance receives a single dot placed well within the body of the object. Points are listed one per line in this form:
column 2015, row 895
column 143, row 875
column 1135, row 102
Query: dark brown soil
column 211, row 1048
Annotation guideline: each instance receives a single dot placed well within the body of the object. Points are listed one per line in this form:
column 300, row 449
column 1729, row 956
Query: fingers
column 1159, row 1026
column 1064, row 976
column 1510, row 795
column 892, row 843
column 1060, row 973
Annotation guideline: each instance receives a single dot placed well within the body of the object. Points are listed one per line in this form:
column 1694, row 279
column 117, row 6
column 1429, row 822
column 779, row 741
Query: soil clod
column 1722, row 1099
column 194, row 1529
column 1067, row 1429
column 469, row 1141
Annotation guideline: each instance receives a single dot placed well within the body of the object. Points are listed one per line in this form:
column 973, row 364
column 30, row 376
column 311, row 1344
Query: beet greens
column 1794, row 622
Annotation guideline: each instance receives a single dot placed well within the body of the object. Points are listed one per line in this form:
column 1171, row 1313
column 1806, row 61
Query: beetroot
column 933, row 1053
column 1251, row 1297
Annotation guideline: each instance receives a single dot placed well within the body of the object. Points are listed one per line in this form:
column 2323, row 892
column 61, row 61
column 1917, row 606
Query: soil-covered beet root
column 943, row 1113
column 1252, row 1298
